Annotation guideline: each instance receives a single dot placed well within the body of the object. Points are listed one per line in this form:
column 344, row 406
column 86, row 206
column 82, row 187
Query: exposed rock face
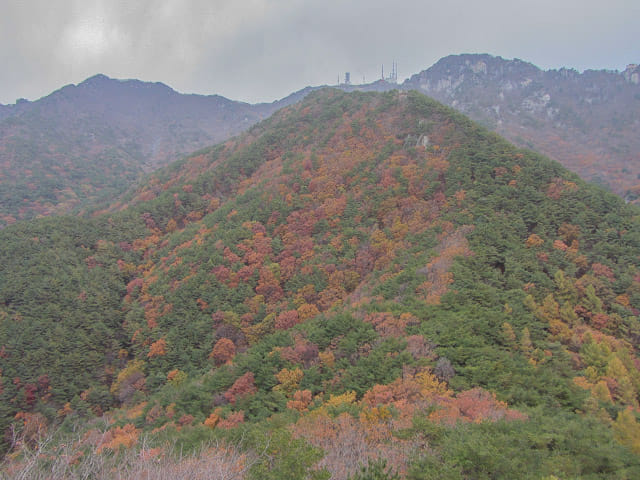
column 632, row 73
column 587, row 121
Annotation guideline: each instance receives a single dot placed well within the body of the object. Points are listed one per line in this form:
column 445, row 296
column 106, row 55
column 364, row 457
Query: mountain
column 361, row 278
column 86, row 144
column 91, row 141
column 587, row 121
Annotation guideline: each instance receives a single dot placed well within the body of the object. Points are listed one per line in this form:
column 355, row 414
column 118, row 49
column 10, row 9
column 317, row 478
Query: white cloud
column 91, row 37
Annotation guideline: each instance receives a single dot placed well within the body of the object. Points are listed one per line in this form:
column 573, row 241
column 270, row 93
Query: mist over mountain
column 91, row 141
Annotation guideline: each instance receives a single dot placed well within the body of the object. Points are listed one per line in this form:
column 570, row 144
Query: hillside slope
column 361, row 276
column 91, row 141
column 587, row 121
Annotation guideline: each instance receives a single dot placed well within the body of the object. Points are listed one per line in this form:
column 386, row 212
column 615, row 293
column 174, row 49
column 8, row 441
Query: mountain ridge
column 90, row 141
column 58, row 157
column 584, row 120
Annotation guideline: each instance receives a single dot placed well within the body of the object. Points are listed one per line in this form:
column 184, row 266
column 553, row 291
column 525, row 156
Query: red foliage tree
column 301, row 400
column 233, row 420
column 287, row 320
column 600, row 270
column 269, row 286
column 243, row 386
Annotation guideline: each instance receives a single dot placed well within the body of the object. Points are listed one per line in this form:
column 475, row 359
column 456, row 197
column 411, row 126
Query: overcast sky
column 261, row 50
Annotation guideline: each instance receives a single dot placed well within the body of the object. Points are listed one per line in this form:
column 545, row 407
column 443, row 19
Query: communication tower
column 393, row 78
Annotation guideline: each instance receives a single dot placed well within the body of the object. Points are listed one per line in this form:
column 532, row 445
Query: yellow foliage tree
column 327, row 358
column 347, row 398
column 626, row 430
column 289, row 380
column 430, row 385
column 534, row 241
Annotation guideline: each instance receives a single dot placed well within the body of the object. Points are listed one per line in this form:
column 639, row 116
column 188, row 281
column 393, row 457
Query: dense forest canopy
column 360, row 280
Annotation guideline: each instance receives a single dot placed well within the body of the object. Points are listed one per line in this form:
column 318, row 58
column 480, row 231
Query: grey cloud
column 259, row 50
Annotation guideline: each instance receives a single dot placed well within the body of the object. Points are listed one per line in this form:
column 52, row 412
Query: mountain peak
column 101, row 81
column 97, row 79
column 531, row 106
column 125, row 126
column 477, row 65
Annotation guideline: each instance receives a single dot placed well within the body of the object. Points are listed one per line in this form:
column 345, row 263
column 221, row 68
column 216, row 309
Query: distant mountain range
column 89, row 142
column 587, row 121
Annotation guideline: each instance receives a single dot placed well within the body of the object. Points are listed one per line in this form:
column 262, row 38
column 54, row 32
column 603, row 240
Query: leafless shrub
column 78, row 459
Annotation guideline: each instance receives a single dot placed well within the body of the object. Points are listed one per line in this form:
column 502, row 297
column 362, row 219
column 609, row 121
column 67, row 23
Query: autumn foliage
column 243, row 386
column 223, row 351
column 335, row 277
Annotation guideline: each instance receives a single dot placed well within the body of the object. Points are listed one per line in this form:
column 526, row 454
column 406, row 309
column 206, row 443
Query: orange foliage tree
column 158, row 348
column 243, row 386
column 223, row 351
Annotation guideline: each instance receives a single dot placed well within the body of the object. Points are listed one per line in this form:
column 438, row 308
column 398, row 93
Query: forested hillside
column 587, row 121
column 362, row 279
column 89, row 142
